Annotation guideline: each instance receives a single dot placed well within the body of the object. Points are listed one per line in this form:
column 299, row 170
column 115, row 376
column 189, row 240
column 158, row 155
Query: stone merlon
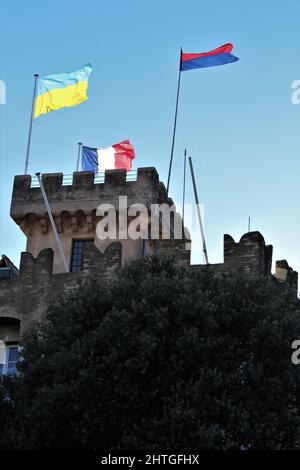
column 251, row 253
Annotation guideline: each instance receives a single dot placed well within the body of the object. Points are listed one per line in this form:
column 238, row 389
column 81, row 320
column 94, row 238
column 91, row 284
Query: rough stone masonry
column 24, row 298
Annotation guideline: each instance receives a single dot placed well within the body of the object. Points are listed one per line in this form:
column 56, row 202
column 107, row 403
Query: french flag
column 118, row 156
column 220, row 56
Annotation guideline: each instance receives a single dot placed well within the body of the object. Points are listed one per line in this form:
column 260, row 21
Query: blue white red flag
column 118, row 156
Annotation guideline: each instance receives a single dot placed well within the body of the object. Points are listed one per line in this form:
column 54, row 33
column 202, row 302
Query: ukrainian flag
column 62, row 90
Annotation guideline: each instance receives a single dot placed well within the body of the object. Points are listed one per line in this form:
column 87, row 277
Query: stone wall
column 254, row 257
column 26, row 299
column 42, row 279
column 250, row 253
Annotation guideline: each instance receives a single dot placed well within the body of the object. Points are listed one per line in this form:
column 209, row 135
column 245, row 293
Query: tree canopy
column 161, row 357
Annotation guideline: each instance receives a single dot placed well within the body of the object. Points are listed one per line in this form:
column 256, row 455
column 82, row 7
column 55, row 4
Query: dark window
column 13, row 356
column 77, row 254
column 10, row 359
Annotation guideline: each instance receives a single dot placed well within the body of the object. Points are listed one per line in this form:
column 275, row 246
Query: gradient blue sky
column 237, row 121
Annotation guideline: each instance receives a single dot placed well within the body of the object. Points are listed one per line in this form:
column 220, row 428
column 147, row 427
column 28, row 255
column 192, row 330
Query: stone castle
column 25, row 293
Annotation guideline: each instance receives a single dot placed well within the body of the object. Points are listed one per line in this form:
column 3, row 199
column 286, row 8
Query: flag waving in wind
column 62, row 90
column 220, row 56
column 188, row 61
column 118, row 156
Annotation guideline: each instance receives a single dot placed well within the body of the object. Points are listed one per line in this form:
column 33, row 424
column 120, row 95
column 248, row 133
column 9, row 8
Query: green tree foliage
column 162, row 357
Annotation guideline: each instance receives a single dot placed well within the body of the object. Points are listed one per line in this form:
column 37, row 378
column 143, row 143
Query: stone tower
column 74, row 207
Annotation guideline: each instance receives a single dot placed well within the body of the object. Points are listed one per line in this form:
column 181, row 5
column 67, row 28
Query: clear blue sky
column 237, row 121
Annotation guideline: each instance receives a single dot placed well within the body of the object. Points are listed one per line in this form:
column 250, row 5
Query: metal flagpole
column 78, row 156
column 198, row 210
column 175, row 122
column 61, row 251
column 183, row 192
column 36, row 76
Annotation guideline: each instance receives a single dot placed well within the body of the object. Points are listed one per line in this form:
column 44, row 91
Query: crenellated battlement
column 27, row 297
column 255, row 257
column 251, row 253
column 37, row 287
column 84, row 194
column 42, row 264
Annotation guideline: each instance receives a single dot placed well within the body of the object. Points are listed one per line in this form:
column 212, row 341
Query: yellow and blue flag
column 62, row 90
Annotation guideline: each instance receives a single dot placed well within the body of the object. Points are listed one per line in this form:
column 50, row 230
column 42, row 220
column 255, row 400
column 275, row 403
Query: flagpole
column 175, row 122
column 198, row 210
column 78, row 156
column 183, row 192
column 36, row 76
column 56, row 236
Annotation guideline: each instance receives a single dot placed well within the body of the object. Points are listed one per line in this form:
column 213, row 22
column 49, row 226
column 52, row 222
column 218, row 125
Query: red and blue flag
column 220, row 56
